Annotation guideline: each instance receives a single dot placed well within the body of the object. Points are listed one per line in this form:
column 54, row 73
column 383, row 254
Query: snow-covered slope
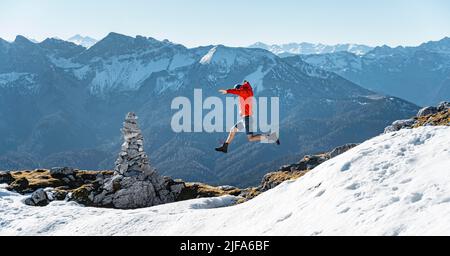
column 393, row 184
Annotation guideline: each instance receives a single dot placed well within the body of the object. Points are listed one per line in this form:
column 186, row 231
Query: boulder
column 62, row 172
column 6, row 177
column 427, row 111
column 38, row 198
column 84, row 194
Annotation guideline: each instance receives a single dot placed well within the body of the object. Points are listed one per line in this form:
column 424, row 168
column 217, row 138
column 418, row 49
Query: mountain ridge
column 418, row 74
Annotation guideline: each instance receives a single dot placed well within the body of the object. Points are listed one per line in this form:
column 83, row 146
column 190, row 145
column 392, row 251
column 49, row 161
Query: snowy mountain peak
column 84, row 41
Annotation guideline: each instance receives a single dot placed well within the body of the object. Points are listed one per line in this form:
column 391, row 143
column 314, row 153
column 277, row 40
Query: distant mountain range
column 419, row 74
column 285, row 50
column 62, row 104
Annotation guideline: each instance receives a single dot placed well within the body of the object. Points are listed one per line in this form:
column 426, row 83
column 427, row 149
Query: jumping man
column 245, row 93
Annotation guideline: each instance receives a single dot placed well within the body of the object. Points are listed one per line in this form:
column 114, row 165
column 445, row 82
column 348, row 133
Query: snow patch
column 125, row 74
column 220, row 56
column 209, row 56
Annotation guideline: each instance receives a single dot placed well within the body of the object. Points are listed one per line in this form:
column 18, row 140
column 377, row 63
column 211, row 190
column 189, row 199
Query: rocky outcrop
column 427, row 111
column 294, row 171
column 134, row 183
column 426, row 116
column 62, row 172
column 21, row 185
column 443, row 106
column 124, row 190
column 400, row 124
column 199, row 190
column 29, row 181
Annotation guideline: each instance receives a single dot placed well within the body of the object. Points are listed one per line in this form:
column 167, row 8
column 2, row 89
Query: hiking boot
column 223, row 148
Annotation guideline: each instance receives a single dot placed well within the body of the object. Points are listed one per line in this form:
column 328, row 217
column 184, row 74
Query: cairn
column 135, row 184
column 132, row 160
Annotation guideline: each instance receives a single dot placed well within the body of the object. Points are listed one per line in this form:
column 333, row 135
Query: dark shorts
column 245, row 123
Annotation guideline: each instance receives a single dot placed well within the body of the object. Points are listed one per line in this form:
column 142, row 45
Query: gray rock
column 61, row 172
column 38, row 198
column 176, row 189
column 400, row 124
column 427, row 111
column 29, row 201
column 54, row 194
column 443, row 106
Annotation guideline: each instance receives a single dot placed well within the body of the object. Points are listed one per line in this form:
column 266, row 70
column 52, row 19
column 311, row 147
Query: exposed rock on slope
column 427, row 116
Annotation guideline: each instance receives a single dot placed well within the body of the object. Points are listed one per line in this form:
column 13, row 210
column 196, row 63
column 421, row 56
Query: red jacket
column 245, row 93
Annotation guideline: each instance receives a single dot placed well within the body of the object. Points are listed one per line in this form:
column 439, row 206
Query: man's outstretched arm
column 231, row 91
column 239, row 91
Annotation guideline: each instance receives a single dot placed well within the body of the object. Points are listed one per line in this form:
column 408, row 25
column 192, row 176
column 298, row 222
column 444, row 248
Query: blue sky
column 232, row 22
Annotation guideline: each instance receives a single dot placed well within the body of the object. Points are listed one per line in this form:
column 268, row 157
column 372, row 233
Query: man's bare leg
column 231, row 135
column 261, row 137
column 255, row 138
